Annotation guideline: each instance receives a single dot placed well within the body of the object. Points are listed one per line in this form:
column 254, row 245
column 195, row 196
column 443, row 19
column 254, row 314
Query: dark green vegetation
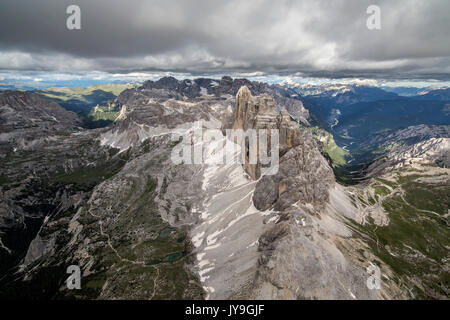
column 345, row 173
column 361, row 118
column 416, row 241
column 50, row 192
column 429, row 197
column 359, row 121
column 4, row 180
column 108, row 112
column 132, row 253
column 84, row 101
column 90, row 176
column 336, row 153
column 149, row 263
column 350, row 174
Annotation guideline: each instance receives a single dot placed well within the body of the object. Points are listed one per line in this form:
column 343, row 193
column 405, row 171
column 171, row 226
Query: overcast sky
column 311, row 38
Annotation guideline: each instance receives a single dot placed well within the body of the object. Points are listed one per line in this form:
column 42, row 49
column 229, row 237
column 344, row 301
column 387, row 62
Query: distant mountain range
column 355, row 113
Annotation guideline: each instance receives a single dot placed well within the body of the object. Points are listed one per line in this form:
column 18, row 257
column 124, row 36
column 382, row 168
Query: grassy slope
column 83, row 99
column 102, row 112
column 150, row 268
column 336, row 153
column 415, row 242
column 91, row 102
column 88, row 95
column 164, row 253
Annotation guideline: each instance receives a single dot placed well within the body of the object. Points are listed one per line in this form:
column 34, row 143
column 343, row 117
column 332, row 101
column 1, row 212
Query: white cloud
column 307, row 37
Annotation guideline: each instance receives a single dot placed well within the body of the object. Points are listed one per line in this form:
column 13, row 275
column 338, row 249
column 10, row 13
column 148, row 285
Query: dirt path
column 122, row 259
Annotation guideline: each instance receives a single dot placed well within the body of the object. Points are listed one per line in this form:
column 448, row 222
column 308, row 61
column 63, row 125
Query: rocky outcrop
column 303, row 173
column 300, row 261
column 434, row 150
column 254, row 113
column 225, row 88
column 297, row 255
column 26, row 119
column 407, row 136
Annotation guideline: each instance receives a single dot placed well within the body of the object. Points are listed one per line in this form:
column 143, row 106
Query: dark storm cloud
column 313, row 37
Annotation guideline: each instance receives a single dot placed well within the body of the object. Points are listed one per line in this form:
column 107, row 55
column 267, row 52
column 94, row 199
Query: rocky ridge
column 26, row 119
column 434, row 150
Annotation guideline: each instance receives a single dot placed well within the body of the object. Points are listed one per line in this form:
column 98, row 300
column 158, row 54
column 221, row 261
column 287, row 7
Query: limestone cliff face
column 260, row 113
column 254, row 113
column 298, row 258
column 434, row 150
column 304, row 174
column 26, row 120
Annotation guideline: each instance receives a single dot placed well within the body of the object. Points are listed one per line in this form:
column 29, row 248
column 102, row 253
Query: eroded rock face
column 254, row 113
column 298, row 262
column 433, row 150
column 298, row 257
column 303, row 173
column 26, row 120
